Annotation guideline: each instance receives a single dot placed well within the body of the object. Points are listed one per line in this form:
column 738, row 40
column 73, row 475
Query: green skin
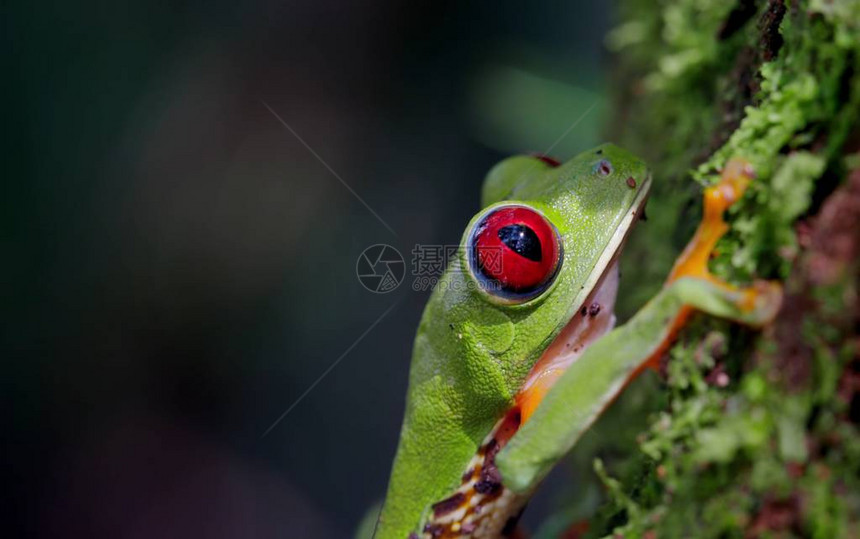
column 472, row 352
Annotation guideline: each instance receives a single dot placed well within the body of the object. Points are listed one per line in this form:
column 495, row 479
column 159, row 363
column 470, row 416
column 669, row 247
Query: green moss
column 739, row 449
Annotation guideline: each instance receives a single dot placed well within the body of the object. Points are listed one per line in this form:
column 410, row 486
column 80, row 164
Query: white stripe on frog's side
column 482, row 507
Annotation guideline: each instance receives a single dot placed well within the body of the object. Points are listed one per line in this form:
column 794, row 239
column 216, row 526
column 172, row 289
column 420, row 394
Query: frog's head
column 546, row 236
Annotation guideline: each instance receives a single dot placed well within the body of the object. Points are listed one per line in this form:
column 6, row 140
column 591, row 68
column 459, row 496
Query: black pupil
column 521, row 240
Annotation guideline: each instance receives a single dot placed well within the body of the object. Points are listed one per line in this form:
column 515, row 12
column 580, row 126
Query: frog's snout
column 617, row 163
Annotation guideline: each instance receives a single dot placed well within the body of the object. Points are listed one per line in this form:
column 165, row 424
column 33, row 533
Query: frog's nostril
column 631, row 182
column 604, row 168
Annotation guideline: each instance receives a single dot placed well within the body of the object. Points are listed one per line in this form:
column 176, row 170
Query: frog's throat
column 593, row 320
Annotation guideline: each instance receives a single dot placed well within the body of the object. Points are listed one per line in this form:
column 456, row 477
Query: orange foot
column 693, row 262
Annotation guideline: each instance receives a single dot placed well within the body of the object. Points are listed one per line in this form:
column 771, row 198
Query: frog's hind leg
column 691, row 280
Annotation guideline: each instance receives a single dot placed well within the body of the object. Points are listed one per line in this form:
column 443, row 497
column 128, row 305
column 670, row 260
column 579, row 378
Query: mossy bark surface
column 750, row 434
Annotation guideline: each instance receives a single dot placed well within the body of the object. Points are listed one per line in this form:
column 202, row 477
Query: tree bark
column 759, row 433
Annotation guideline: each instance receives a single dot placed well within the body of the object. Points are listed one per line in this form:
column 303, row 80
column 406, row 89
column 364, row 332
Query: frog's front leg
column 693, row 284
column 592, row 382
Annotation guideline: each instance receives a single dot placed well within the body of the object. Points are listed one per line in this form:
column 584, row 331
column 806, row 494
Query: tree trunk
column 758, row 435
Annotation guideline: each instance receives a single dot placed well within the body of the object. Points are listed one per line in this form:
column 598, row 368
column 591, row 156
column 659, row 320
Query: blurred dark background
column 180, row 268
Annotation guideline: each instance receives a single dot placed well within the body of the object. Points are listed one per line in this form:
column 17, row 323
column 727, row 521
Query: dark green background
column 179, row 268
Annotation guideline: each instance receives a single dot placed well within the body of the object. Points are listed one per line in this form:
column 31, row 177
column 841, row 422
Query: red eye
column 515, row 251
